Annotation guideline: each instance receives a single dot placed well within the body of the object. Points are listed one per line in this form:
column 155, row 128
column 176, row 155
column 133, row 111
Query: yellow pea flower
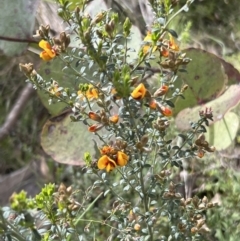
column 122, row 158
column 48, row 53
column 139, row 92
column 107, row 163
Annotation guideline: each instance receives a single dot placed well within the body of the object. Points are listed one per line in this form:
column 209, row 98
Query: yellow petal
column 92, row 93
column 45, row 56
column 148, row 37
column 106, row 162
column 139, row 92
column 114, row 119
column 122, row 158
column 102, row 162
column 147, row 46
column 51, row 53
column 172, row 44
column 44, row 45
column 110, row 167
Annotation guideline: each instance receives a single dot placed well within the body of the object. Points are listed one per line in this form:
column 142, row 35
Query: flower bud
column 202, row 206
column 205, row 200
column 188, row 201
column 127, row 27
column 137, row 227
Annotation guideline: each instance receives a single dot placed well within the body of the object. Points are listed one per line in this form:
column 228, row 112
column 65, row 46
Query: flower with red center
column 139, row 92
column 153, row 104
column 48, row 53
column 161, row 91
column 122, row 158
column 94, row 116
column 114, row 119
column 165, row 110
column 107, row 163
column 95, row 127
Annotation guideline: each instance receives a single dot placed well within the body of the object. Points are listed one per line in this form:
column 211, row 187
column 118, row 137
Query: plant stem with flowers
column 135, row 116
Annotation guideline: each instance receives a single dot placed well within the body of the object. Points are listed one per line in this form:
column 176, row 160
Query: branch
column 14, row 114
column 10, row 39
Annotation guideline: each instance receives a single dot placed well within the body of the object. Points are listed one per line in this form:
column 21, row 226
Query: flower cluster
column 88, row 91
column 103, row 120
column 140, row 92
column 111, row 158
column 166, row 46
column 51, row 46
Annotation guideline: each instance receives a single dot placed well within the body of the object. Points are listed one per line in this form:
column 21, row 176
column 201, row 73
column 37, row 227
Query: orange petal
column 51, row 53
column 95, row 127
column 153, row 104
column 114, row 119
column 45, row 56
column 200, row 154
column 161, row 91
column 107, row 150
column 166, row 111
column 148, row 45
column 122, row 158
column 164, row 52
column 106, row 162
column 139, row 92
column 172, row 44
column 92, row 93
column 102, row 162
column 94, row 116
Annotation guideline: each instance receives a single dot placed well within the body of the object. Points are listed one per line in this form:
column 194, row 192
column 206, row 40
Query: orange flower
column 94, row 116
column 172, row 44
column 153, row 104
column 114, row 119
column 165, row 111
column 147, row 46
column 115, row 94
column 164, row 52
column 139, row 92
column 122, row 158
column 200, row 153
column 95, row 127
column 106, row 150
column 91, row 93
column 107, row 163
column 161, row 91
column 48, row 53
column 54, row 91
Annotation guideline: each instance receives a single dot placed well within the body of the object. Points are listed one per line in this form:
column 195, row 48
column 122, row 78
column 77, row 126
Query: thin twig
column 14, row 114
column 10, row 39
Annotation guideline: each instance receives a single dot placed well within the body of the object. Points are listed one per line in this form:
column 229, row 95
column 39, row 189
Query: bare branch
column 14, row 114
